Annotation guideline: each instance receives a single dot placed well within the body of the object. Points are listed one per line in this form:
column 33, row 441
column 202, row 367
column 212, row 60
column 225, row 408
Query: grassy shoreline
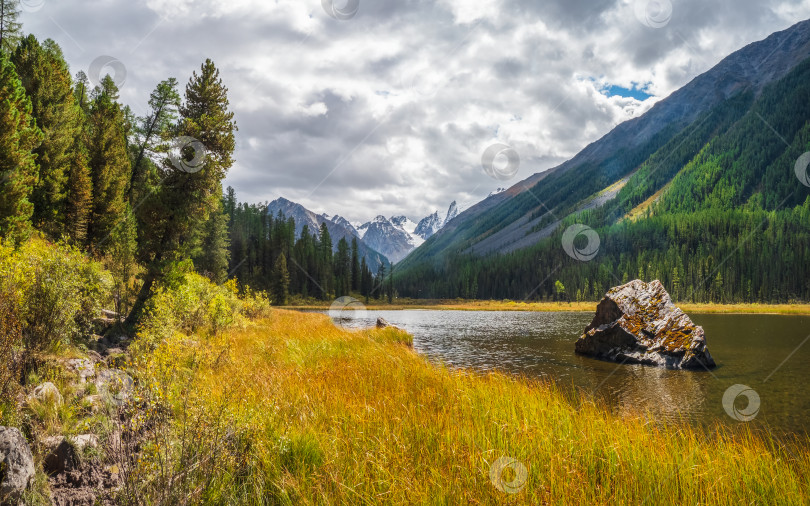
column 489, row 305
column 320, row 414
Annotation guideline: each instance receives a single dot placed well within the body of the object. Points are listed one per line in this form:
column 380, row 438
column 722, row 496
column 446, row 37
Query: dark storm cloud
column 389, row 112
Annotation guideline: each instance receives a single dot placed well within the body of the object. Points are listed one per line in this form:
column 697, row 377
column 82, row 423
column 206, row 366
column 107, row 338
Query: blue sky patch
column 638, row 92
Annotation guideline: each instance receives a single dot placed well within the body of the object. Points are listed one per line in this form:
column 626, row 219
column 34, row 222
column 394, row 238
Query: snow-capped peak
column 452, row 212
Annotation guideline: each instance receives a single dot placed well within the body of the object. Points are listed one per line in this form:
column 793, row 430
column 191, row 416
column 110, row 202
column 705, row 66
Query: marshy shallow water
column 767, row 353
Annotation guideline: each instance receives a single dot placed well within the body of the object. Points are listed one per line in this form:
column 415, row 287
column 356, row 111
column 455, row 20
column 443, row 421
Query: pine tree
column 180, row 207
column 281, row 281
column 108, row 162
column 10, row 28
column 19, row 136
column 151, row 131
column 46, row 79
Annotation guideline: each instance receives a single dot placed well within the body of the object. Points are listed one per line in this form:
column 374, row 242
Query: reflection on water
column 748, row 349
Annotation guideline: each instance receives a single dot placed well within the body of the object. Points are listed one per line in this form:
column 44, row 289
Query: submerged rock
column 637, row 323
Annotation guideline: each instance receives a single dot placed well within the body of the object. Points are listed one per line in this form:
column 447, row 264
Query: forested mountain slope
column 730, row 218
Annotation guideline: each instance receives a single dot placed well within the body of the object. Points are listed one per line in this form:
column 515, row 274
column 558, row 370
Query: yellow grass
column 329, row 416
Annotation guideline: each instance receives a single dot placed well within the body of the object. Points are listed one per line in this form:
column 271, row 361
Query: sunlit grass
column 326, row 415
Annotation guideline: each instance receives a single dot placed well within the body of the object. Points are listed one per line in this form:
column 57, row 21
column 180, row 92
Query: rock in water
column 16, row 465
column 637, row 323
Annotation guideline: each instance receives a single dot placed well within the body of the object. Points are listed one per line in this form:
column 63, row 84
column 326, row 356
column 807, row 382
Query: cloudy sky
column 386, row 107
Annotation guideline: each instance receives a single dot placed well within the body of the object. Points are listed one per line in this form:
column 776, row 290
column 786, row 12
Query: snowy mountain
column 389, row 239
column 338, row 228
column 398, row 236
column 452, row 212
column 428, row 226
column 393, row 237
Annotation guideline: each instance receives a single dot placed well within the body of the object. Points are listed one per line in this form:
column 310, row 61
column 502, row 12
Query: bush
column 192, row 304
column 10, row 345
column 56, row 290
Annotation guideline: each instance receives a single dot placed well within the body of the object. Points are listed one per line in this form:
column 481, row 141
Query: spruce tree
column 19, row 136
column 281, row 281
column 79, row 194
column 342, row 268
column 355, row 265
column 211, row 257
column 46, row 79
column 325, row 262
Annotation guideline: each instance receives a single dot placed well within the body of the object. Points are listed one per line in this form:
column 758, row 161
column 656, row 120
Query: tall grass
column 296, row 410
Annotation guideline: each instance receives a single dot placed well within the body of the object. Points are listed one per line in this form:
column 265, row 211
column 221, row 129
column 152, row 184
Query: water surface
column 767, row 353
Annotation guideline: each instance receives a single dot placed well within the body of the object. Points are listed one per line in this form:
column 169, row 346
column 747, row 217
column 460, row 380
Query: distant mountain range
column 392, row 238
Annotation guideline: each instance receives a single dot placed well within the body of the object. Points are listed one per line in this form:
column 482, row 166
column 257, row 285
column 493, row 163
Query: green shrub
column 56, row 290
column 192, row 304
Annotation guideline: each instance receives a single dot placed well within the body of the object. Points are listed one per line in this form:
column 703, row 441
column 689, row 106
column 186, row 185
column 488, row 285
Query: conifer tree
column 191, row 188
column 79, row 194
column 19, row 136
column 10, row 27
column 151, row 132
column 213, row 253
column 281, row 281
column 355, row 265
column 46, row 79
column 108, row 162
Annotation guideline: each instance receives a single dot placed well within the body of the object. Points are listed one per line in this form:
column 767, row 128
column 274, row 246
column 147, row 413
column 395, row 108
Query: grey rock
column 63, row 454
column 46, row 392
column 16, row 464
column 114, row 385
column 638, row 323
column 83, row 367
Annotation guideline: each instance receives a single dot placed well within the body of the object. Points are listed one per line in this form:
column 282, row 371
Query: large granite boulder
column 16, row 465
column 637, row 323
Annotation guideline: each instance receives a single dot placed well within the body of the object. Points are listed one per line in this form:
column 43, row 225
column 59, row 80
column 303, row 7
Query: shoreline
column 584, row 307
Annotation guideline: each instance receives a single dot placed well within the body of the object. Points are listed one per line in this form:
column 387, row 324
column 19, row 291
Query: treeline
column 711, row 256
column 141, row 193
column 265, row 254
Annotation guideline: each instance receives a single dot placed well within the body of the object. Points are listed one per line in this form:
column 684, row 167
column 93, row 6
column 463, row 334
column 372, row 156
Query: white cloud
column 389, row 112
